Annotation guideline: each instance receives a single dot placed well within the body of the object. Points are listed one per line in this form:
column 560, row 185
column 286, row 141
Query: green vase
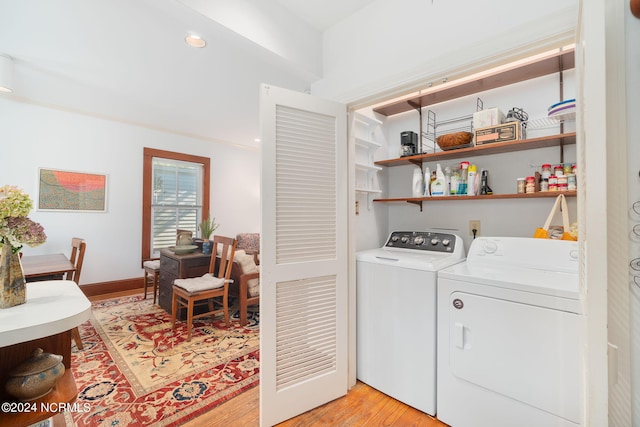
column 14, row 289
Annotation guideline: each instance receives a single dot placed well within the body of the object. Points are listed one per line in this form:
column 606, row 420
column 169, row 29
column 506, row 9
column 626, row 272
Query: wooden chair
column 78, row 246
column 151, row 275
column 244, row 298
column 198, row 291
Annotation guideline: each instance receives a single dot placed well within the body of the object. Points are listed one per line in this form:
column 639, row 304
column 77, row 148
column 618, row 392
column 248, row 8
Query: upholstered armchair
column 250, row 243
column 246, row 282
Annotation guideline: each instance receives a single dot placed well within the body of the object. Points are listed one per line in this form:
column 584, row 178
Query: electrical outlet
column 474, row 224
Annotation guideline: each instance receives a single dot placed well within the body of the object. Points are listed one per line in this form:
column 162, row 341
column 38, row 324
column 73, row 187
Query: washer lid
column 546, row 282
column 417, row 260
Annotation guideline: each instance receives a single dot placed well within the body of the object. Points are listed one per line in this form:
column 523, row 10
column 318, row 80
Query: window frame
column 147, row 190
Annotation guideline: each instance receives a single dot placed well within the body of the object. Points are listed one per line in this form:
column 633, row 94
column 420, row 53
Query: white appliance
column 396, row 314
column 509, row 335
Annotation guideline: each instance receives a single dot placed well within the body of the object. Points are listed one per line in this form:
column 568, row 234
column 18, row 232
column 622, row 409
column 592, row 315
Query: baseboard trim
column 96, row 289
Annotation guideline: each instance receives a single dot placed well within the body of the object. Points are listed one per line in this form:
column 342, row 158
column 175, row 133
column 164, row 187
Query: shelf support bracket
column 416, row 162
column 418, row 107
column 416, row 202
column 561, row 88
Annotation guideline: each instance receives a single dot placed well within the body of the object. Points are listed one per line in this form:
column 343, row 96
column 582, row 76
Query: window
column 175, row 196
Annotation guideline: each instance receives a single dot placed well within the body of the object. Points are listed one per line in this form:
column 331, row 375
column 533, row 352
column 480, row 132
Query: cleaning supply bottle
column 427, row 183
column 462, row 182
column 418, row 183
column 471, row 180
column 484, row 183
column 455, row 180
column 438, row 185
column 447, row 181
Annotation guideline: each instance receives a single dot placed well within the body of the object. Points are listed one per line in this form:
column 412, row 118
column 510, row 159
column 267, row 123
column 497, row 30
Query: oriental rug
column 135, row 370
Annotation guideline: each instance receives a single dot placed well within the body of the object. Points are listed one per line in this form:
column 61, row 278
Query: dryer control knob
column 490, row 247
column 418, row 240
column 435, row 241
column 404, row 239
column 445, row 242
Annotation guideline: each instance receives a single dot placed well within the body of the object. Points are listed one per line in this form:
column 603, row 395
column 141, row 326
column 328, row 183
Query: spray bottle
column 484, row 183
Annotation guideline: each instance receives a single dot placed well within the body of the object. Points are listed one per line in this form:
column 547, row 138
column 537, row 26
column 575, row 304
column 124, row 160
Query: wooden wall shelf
column 419, row 200
column 537, row 67
column 481, row 150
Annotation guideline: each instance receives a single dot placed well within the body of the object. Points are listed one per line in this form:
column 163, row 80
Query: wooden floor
column 362, row 406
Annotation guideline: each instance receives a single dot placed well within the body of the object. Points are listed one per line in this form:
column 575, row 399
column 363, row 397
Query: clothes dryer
column 509, row 335
column 396, row 314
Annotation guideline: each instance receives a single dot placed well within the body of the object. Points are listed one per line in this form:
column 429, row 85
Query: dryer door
column 524, row 352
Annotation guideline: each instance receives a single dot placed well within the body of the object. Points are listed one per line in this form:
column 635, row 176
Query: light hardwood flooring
column 362, row 406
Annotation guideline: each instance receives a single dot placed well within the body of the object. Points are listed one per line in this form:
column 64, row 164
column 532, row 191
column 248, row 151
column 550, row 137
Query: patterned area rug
column 136, row 371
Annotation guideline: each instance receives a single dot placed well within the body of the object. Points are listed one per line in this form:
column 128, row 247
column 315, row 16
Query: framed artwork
column 60, row 190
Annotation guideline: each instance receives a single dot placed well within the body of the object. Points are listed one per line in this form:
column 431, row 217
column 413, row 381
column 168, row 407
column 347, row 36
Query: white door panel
column 303, row 314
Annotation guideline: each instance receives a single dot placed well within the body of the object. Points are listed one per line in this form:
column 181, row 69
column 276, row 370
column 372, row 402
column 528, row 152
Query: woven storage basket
column 454, row 140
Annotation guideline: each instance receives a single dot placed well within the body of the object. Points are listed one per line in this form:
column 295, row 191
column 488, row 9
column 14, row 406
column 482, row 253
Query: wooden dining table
column 46, row 267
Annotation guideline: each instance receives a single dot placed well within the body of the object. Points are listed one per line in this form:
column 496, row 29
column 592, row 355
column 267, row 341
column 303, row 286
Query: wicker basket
column 451, row 141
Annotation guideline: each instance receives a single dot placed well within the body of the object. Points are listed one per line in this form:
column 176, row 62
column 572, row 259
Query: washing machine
column 396, row 314
column 510, row 335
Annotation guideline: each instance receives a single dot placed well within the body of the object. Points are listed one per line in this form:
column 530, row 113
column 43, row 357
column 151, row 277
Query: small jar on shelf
column 530, row 186
column 544, row 185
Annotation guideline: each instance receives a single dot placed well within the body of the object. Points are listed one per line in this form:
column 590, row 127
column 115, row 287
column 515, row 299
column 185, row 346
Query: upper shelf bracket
column 416, row 202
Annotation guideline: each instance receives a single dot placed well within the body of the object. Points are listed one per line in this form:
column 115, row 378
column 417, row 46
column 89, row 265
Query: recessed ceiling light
column 195, row 41
column 257, row 140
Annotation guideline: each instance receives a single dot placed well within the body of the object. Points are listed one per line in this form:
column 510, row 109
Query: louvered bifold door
column 303, row 295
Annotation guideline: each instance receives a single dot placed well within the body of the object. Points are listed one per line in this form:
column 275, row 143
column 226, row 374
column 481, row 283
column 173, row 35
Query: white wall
column 389, row 44
column 34, row 136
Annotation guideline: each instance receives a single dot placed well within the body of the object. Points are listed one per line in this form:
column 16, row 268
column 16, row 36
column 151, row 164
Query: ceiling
column 323, row 14
column 127, row 61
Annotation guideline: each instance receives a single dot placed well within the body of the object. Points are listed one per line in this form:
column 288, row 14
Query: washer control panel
column 422, row 240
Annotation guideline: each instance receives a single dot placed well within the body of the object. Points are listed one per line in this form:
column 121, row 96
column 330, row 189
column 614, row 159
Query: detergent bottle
column 438, row 185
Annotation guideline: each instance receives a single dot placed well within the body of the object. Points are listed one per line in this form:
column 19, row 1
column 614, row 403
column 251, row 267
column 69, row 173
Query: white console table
column 53, row 308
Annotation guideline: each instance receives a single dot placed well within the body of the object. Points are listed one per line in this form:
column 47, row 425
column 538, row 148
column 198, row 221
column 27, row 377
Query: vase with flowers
column 207, row 227
column 16, row 230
